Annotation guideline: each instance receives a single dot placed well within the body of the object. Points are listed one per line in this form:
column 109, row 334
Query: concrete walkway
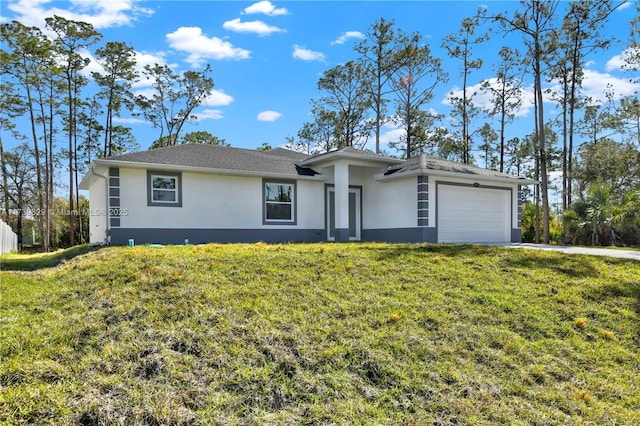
column 594, row 251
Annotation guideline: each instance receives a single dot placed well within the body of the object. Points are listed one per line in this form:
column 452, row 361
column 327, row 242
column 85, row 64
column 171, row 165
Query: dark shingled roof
column 349, row 150
column 277, row 161
column 426, row 162
column 282, row 152
column 281, row 161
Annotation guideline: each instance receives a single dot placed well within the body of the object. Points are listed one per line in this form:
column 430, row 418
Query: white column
column 341, row 176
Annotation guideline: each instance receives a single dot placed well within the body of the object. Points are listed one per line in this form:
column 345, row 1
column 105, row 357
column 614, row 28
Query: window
column 279, row 202
column 164, row 189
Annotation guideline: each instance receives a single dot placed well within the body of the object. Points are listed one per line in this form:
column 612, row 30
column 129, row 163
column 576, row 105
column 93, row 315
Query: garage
column 469, row 214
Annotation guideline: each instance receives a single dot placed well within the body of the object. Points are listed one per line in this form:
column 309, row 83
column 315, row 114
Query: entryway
column 355, row 225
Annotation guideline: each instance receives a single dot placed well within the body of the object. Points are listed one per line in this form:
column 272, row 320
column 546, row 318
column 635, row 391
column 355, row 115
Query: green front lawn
column 321, row 334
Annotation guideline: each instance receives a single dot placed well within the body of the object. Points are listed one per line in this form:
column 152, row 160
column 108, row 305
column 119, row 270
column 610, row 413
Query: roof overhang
column 202, row 170
column 466, row 176
column 360, row 159
column 90, row 177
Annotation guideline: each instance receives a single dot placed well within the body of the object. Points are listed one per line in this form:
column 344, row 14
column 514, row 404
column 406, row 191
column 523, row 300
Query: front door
column 354, row 214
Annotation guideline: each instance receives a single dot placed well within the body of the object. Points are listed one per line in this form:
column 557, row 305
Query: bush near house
column 602, row 221
column 529, row 219
column 319, row 334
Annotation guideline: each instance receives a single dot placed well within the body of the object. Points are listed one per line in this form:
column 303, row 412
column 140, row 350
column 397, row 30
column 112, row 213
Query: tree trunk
column 50, row 197
column 36, row 153
column 572, row 106
column 5, row 182
column 48, row 169
column 503, row 118
column 544, row 184
column 19, row 229
column 75, row 175
column 465, row 119
column 565, row 150
column 378, row 106
column 72, row 235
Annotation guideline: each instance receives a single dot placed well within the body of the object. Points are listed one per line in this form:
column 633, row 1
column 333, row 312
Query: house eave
column 331, row 157
column 89, row 178
column 204, row 170
column 86, row 181
column 466, row 176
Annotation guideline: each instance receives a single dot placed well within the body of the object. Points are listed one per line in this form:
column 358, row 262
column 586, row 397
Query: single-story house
column 205, row 193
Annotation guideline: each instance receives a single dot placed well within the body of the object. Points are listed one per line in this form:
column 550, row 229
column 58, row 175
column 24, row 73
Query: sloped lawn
column 321, row 334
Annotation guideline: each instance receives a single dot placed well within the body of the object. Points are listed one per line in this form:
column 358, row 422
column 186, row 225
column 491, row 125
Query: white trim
column 292, row 219
column 363, row 159
column 465, row 176
column 174, row 190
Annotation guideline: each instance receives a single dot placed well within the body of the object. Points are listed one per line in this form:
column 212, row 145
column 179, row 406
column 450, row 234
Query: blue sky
column 267, row 57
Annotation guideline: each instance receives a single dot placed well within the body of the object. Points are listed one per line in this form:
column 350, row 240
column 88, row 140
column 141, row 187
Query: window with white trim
column 279, row 202
column 164, row 189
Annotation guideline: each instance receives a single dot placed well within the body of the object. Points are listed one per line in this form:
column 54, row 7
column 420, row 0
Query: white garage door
column 469, row 214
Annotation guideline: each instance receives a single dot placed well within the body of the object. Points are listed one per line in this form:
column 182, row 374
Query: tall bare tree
column 506, row 93
column 118, row 62
column 377, row 54
column 71, row 38
column 459, row 46
column 534, row 21
column 578, row 36
column 413, row 84
column 345, row 92
column 25, row 61
column 176, row 97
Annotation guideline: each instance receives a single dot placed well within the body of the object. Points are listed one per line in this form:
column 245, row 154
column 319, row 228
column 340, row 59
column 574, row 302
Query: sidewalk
column 594, row 251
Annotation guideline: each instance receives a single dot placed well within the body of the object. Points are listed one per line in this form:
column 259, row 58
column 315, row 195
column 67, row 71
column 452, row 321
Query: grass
column 321, row 334
column 21, row 262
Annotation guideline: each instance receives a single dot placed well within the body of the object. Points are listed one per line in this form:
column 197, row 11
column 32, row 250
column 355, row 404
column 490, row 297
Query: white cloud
column 209, row 114
column 200, row 47
column 147, row 92
column 265, row 7
column 306, row 54
column 257, row 27
column 142, row 59
column 624, row 5
column 348, row 35
column 482, row 98
column 146, row 58
column 269, row 116
column 93, row 65
column 621, row 61
column 394, row 135
column 390, row 132
column 120, row 120
column 218, row 98
column 100, row 14
column 616, row 62
column 595, row 84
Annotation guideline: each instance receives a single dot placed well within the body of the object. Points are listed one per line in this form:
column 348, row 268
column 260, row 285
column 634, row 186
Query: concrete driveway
column 594, row 251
